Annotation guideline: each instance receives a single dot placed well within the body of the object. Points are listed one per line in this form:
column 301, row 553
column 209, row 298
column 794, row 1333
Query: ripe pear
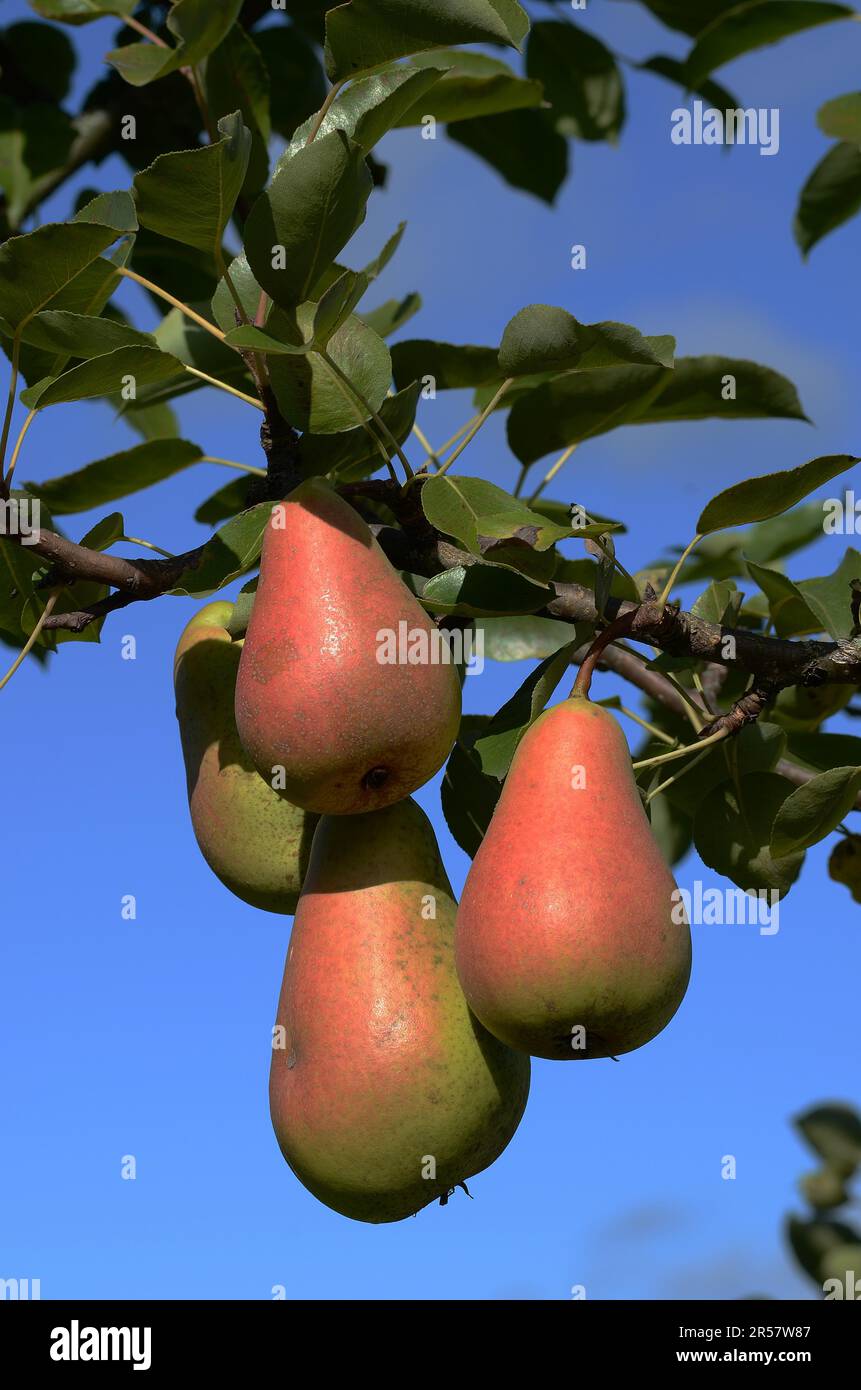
column 570, row 943
column 351, row 732
column 257, row 843
column 385, row 1091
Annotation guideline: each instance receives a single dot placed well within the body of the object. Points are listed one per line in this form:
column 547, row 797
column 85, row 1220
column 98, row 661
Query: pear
column 257, row 843
column 319, row 701
column 570, row 941
column 385, row 1091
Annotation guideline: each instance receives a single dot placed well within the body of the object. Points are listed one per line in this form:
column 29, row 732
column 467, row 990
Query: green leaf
column 672, row 829
column 841, row 118
column 312, row 208
column 732, row 833
column 474, row 85
column 674, row 71
column 103, row 376
column 248, row 290
column 750, row 26
column 37, row 267
column 364, row 34
column 542, row 338
column 393, row 314
column 825, row 751
column 81, row 335
column 521, row 146
column 468, row 795
column 814, row 1241
column 367, row 109
column 236, row 75
column 34, row 141
column 312, row 397
column 198, row 26
column 82, row 11
column 811, row 812
column 581, row 80
column 232, row 551
column 190, row 196
column 482, row 591
column 772, row 493
column 129, row 471
column 224, row 503
column 474, row 510
column 297, row 81
column 105, row 533
column 834, row 1133
column 802, row 708
column 831, row 195
column 577, row 405
column 349, row 454
column 756, row 749
column 788, row 611
column 719, row 604
column 527, row 638
column 686, row 17
column 830, row 597
column 449, row 366
column 497, row 745
column 152, row 421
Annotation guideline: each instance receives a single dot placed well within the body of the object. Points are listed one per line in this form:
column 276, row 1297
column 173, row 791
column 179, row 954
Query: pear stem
column 620, row 628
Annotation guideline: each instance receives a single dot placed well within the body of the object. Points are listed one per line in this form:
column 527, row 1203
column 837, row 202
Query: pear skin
column 257, row 843
column 570, row 943
column 385, row 1091
column 351, row 732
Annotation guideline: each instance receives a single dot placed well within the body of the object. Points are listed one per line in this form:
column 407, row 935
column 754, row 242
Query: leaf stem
column 677, row 570
column 229, row 463
column 222, row 386
column 324, row 111
column 32, row 639
column 18, row 443
column 10, row 404
column 652, row 729
column 148, row 545
column 177, row 303
column 662, row 786
column 551, row 474
column 682, row 752
column 132, row 23
column 473, row 431
column 377, row 419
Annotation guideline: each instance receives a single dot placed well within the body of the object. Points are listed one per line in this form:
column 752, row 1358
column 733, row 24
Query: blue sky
column 151, row 1037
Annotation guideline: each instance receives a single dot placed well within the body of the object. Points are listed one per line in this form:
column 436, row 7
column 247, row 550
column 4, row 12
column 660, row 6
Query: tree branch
column 658, row 689
column 414, row 545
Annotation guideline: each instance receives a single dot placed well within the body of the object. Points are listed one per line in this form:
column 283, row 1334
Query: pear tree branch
column 413, row 544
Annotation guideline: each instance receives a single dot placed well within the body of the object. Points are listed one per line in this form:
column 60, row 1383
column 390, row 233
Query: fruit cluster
column 400, row 1063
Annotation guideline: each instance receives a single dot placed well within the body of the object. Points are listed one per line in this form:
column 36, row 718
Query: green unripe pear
column 257, row 843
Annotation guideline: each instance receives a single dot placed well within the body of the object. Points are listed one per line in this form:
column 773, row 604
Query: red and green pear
column 254, row 840
column 571, row 939
column 318, row 701
column 385, row 1091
